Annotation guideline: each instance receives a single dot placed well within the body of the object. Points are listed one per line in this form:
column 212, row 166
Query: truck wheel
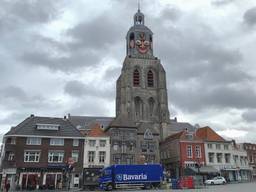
column 109, row 187
column 147, row 186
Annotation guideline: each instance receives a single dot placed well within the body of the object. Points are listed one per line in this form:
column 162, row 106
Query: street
column 239, row 187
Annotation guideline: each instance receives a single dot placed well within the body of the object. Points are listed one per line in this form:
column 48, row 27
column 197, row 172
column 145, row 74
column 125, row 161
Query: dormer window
column 53, row 127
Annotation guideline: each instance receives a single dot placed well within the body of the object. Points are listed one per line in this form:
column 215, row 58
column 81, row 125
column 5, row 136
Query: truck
column 90, row 178
column 130, row 176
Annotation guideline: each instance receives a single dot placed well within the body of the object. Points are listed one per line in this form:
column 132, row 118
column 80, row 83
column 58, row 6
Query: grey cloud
column 250, row 115
column 15, row 98
column 66, row 63
column 14, row 118
column 78, row 89
column 250, row 16
column 222, row 2
column 85, row 106
column 171, row 13
column 208, row 97
column 97, row 34
column 30, row 11
column 13, row 92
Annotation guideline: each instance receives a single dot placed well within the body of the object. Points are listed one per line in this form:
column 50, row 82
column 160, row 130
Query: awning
column 204, row 169
column 208, row 169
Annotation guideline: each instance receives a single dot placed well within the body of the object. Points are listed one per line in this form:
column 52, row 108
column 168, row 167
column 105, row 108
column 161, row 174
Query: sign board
column 76, row 180
column 71, row 161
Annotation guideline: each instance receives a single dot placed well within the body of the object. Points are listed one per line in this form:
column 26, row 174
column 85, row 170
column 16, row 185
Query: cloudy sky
column 60, row 57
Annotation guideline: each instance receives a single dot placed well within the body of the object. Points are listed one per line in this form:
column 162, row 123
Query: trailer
column 131, row 176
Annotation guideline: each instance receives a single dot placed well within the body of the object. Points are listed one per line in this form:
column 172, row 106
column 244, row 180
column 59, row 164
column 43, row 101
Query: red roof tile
column 96, row 131
column 208, row 134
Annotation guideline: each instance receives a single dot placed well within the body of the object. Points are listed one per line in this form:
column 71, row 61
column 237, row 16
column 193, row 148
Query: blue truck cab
column 129, row 176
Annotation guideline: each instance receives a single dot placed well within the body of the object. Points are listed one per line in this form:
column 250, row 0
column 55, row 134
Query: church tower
column 141, row 100
column 141, row 88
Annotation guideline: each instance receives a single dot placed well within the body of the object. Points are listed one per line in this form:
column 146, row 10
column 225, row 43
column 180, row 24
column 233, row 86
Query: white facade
column 228, row 157
column 96, row 152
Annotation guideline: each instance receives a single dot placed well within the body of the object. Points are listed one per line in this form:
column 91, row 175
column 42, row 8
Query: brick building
column 36, row 153
column 182, row 153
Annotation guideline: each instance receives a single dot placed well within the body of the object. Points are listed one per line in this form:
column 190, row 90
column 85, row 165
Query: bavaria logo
column 119, row 177
column 126, row 177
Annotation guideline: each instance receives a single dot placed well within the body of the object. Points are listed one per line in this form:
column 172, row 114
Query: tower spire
column 138, row 5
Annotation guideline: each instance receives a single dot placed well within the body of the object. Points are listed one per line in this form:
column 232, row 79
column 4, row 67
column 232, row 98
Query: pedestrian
column 7, row 186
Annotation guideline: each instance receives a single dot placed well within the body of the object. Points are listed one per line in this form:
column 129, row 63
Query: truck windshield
column 106, row 172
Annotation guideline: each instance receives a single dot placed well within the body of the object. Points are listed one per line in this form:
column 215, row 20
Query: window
column 75, row 142
column 136, row 78
column 53, row 127
column 33, row 141
column 91, row 156
column 189, row 151
column 150, row 79
column 209, row 145
column 225, row 147
column 211, row 157
column 103, row 143
column 11, row 140
column 92, row 143
column 10, row 156
column 115, row 146
column 31, row 156
column 75, row 155
column 138, row 107
column 227, row 158
column 151, row 147
column 218, row 146
column 123, row 148
column 117, row 160
column 57, row 141
column 151, row 103
column 102, row 156
column 131, row 147
column 219, row 157
column 144, row 147
column 55, row 156
column 198, row 151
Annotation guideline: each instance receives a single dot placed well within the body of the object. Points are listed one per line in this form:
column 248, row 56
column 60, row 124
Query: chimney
column 32, row 115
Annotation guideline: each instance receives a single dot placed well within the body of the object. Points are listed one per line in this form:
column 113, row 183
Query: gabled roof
column 96, row 131
column 86, row 122
column 183, row 136
column 208, row 134
column 28, row 127
column 122, row 121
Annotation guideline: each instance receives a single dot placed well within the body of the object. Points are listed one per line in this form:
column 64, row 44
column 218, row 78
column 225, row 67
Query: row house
column 226, row 156
column 182, row 153
column 96, row 148
column 250, row 148
column 42, row 152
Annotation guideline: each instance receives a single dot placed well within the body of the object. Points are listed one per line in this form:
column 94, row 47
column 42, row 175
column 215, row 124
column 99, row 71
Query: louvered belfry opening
column 136, row 78
column 150, row 79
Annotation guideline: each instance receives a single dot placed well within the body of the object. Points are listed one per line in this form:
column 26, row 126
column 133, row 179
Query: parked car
column 216, row 181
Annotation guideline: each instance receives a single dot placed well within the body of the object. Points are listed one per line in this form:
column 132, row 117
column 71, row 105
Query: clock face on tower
column 142, row 44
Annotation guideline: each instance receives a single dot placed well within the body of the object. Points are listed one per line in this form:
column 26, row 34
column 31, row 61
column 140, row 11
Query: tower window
column 151, row 103
column 150, row 79
column 136, row 77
